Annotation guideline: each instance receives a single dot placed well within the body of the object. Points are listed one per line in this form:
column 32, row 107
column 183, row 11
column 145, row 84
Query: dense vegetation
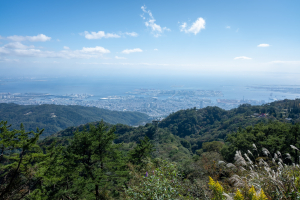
column 247, row 154
column 54, row 118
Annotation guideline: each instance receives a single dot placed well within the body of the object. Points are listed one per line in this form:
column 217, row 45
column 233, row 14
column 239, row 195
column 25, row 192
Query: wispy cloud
column 37, row 38
column 128, row 51
column 65, row 47
column 155, row 49
column 99, row 35
column 263, row 45
column 2, row 38
column 156, row 29
column 17, row 45
column 18, row 49
column 228, row 27
column 102, row 34
column 132, row 34
column 242, row 58
column 120, row 58
column 195, row 28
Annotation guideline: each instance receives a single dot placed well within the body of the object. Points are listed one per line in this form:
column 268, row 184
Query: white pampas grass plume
column 265, row 151
column 293, row 147
column 254, row 146
column 279, row 154
column 250, row 152
column 236, row 181
column 239, row 160
column 227, row 196
column 250, row 162
column 221, row 162
column 230, row 165
column 288, row 156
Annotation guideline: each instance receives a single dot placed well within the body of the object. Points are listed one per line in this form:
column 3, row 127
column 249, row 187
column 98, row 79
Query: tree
column 141, row 151
column 18, row 160
column 96, row 160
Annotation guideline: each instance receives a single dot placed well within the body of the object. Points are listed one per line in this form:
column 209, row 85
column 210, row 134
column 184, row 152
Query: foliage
column 275, row 136
column 162, row 182
column 54, row 118
column 18, row 159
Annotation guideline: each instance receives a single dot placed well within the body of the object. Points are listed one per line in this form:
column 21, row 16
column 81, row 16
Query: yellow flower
column 211, row 182
column 252, row 193
column 238, row 195
column 262, row 195
column 219, row 187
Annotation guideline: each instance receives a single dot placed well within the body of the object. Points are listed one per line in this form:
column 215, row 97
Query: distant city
column 155, row 103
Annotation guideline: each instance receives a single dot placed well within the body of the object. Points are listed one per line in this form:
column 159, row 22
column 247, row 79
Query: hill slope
column 183, row 133
column 54, row 118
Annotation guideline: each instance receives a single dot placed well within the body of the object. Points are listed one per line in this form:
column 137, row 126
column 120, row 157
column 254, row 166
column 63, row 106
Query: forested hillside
column 54, row 118
column 181, row 135
column 192, row 154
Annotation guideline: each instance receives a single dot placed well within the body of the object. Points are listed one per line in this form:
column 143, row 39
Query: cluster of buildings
column 155, row 103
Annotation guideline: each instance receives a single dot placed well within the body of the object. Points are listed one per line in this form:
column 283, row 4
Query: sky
column 90, row 38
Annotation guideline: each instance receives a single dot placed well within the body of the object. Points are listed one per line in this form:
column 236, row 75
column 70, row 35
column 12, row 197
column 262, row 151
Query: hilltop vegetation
column 181, row 135
column 173, row 160
column 54, row 118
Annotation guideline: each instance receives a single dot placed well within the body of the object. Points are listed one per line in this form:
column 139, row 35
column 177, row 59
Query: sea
column 233, row 87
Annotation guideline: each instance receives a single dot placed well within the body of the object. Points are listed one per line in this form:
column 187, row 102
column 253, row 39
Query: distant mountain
column 54, row 118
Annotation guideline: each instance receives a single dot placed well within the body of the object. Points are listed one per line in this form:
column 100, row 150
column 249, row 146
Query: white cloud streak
column 228, row 27
column 156, row 29
column 155, row 49
column 18, row 49
column 132, row 34
column 263, row 45
column 67, row 48
column 120, row 58
column 99, row 35
column 128, row 51
column 242, row 58
column 196, row 27
column 38, row 38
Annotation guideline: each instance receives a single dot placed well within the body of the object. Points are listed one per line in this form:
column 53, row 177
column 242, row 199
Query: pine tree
column 19, row 155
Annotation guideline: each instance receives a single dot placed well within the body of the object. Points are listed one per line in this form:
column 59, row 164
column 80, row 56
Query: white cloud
column 237, row 30
column 58, row 40
column 132, row 34
column 17, row 45
column 99, row 35
column 195, row 28
column 96, row 49
column 263, row 45
column 65, row 47
column 1, row 38
column 119, row 58
column 155, row 49
column 228, row 27
column 128, row 51
column 242, row 58
column 38, row 38
column 18, row 49
column 156, row 29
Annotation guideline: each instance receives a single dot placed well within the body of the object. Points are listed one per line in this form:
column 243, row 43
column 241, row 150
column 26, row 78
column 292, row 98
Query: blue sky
column 143, row 37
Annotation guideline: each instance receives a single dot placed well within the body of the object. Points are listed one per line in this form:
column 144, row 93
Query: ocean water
column 233, row 87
